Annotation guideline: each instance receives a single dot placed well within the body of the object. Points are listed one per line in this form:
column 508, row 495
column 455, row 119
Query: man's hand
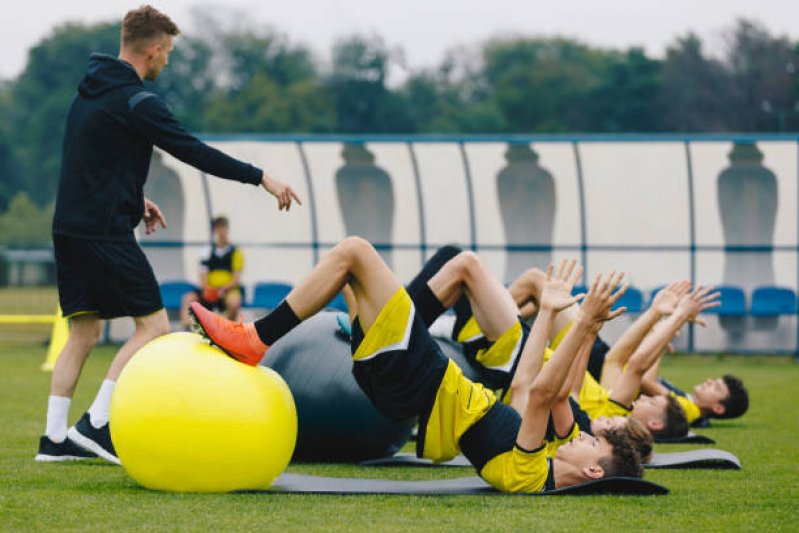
column 152, row 217
column 599, row 300
column 557, row 293
column 697, row 301
column 666, row 300
column 279, row 190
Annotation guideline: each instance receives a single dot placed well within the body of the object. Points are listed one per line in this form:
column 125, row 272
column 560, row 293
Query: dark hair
column 737, row 402
column 640, row 437
column 675, row 422
column 144, row 24
column 220, row 221
column 625, row 459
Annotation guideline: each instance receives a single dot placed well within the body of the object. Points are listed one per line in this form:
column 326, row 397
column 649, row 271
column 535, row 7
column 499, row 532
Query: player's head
column 638, row 435
column 221, row 226
column 724, row 397
column 592, row 457
column 662, row 416
column 147, row 33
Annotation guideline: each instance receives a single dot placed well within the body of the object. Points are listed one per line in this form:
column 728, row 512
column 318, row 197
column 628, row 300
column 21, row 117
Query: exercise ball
column 186, row 417
column 336, row 420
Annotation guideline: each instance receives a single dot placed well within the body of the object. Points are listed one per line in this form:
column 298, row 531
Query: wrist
column 584, row 320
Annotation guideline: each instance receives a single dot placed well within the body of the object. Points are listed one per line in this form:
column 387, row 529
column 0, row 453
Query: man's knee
column 354, row 248
column 446, row 253
column 85, row 332
column 466, row 263
column 154, row 325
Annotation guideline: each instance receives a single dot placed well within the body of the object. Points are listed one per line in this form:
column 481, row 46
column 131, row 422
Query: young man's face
column 710, row 393
column 221, row 232
column 650, row 411
column 602, row 423
column 158, row 57
column 584, row 452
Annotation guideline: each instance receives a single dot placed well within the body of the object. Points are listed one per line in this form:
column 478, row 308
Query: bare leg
column 186, row 301
column 147, row 329
column 84, row 332
column 355, row 262
column 492, row 306
column 352, row 304
column 233, row 304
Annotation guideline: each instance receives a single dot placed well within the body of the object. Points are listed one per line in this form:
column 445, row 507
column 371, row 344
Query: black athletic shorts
column 597, row 359
column 111, row 278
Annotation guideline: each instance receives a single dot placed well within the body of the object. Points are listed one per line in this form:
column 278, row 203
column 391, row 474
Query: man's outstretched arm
column 151, row 117
column 544, row 390
column 653, row 346
column 663, row 304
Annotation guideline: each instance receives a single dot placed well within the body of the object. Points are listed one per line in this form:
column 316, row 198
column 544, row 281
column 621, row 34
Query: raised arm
column 153, row 120
column 653, row 346
column 546, row 386
column 556, row 296
column 664, row 303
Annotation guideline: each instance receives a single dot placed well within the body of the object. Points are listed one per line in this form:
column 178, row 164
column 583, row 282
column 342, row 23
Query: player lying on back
column 404, row 373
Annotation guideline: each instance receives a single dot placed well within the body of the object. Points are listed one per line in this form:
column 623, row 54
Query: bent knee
column 467, row 262
column 154, row 325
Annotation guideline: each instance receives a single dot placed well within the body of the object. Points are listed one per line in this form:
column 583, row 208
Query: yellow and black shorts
column 404, row 373
column 498, row 359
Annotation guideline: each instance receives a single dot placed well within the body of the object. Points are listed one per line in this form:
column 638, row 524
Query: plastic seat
column 733, row 302
column 632, row 299
column 773, row 301
column 172, row 293
column 269, row 295
column 338, row 303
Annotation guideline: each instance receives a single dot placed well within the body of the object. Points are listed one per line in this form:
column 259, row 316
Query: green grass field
column 95, row 496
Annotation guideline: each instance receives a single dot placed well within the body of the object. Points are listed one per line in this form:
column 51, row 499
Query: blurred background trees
column 258, row 80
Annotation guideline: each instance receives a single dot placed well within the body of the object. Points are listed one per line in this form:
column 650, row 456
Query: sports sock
column 98, row 412
column 57, row 412
column 276, row 324
column 428, row 306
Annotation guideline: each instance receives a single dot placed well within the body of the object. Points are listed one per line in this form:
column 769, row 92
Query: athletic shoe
column 97, row 440
column 66, row 450
column 240, row 341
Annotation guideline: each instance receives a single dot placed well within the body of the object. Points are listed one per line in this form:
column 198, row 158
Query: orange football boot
column 240, row 341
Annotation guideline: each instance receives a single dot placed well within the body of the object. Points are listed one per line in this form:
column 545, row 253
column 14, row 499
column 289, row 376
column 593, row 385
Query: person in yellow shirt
column 404, row 373
column 221, row 266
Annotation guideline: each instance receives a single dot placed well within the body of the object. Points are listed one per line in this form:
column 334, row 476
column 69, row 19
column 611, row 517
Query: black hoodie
column 111, row 128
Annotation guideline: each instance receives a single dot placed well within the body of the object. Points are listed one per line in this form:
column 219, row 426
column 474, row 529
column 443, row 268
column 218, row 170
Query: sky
column 424, row 29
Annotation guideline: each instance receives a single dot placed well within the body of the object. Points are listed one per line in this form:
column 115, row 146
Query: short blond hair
column 145, row 24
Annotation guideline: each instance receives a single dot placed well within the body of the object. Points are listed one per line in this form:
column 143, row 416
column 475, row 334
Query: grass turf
column 97, row 496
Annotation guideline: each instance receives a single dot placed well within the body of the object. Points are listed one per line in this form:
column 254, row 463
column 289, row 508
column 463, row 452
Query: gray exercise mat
column 709, row 459
column 304, row 484
column 688, row 438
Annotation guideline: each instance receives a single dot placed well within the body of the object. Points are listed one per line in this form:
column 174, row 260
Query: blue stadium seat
column 773, row 301
column 579, row 289
column 733, row 301
column 172, row 293
column 338, row 303
column 632, row 299
column 269, row 295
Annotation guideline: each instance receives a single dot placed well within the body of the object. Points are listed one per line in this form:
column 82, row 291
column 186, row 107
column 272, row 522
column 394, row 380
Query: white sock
column 57, row 412
column 443, row 327
column 98, row 412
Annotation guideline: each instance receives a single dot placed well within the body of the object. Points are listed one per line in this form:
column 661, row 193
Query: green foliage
column 25, row 224
column 228, row 79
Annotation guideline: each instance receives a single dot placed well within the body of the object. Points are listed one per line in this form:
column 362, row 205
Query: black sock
column 426, row 303
column 276, row 324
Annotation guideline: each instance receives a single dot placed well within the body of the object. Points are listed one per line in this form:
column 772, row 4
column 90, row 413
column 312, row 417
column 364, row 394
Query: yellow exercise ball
column 186, row 417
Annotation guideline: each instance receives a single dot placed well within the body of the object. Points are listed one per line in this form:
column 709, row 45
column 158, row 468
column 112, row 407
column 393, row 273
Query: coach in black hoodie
column 111, row 129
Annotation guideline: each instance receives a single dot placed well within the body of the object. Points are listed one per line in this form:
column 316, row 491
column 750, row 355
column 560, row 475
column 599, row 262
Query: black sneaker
column 66, row 450
column 97, row 440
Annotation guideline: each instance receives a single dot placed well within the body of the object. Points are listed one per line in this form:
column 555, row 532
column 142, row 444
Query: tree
column 25, row 224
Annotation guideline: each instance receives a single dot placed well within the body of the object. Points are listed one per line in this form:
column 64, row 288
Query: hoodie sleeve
column 151, row 117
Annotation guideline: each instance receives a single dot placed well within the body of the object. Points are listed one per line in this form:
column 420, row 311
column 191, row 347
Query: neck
column 134, row 61
column 566, row 474
column 221, row 244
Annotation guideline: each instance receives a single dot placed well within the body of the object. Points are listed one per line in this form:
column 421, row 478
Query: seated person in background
column 405, row 375
column 220, row 276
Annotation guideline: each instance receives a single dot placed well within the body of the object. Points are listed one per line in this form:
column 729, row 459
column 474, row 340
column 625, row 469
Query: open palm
column 557, row 293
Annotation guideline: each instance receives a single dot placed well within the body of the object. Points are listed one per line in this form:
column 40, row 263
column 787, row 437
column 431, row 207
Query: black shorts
column 110, row 278
column 596, row 361
column 401, row 382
